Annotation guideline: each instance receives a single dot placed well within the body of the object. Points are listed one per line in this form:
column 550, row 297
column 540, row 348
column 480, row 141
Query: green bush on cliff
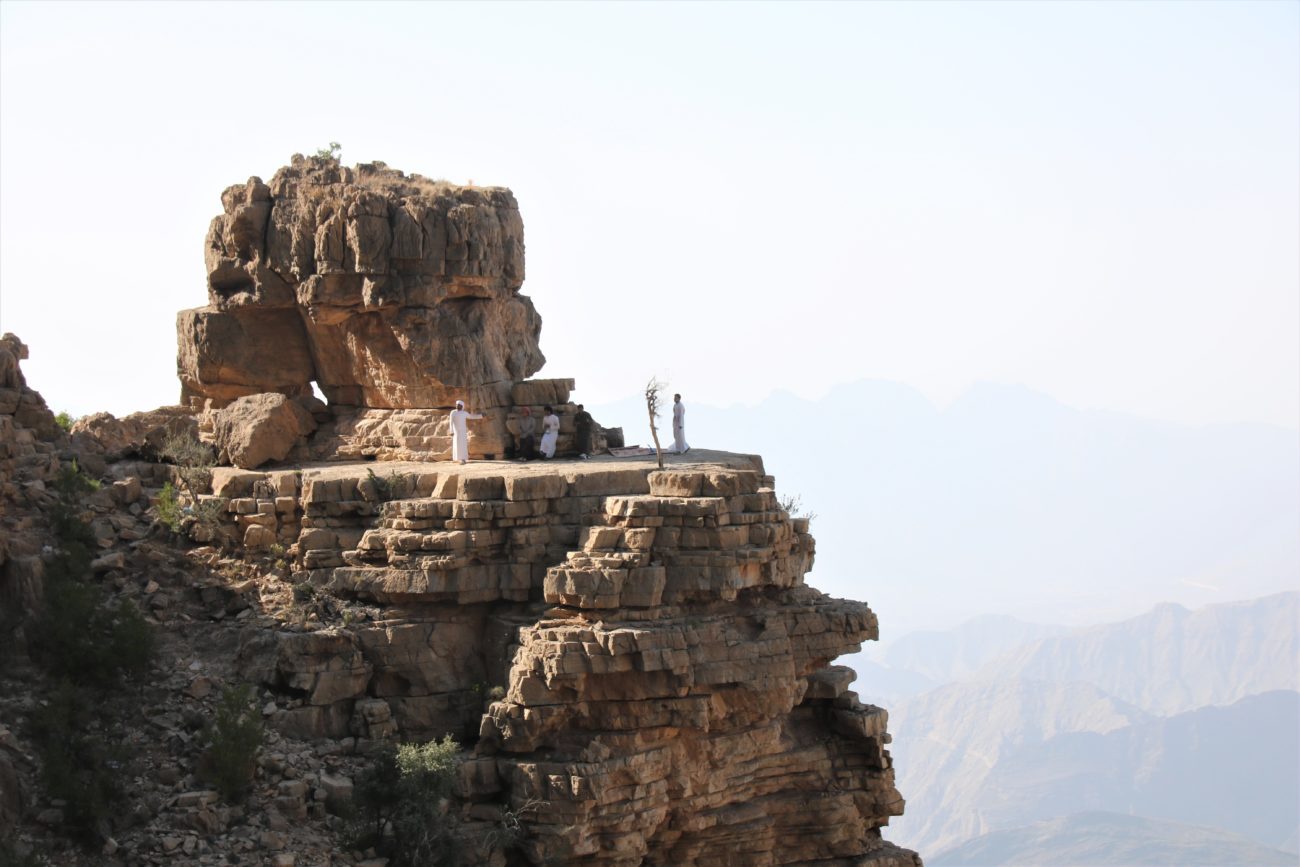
column 169, row 508
column 88, row 646
column 233, row 739
column 401, row 804
column 78, row 766
column 80, row 637
column 193, row 461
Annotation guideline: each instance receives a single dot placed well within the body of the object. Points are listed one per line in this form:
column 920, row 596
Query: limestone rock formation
column 629, row 655
column 387, row 290
column 663, row 676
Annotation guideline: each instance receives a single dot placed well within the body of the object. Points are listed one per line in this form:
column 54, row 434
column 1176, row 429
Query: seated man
column 526, row 449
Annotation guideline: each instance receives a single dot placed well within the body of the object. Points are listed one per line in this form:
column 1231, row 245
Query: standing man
column 550, row 433
column 527, row 435
column 582, row 422
column 679, row 426
column 460, row 433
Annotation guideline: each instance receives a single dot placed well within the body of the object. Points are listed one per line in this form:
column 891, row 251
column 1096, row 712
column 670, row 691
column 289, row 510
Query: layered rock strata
column 385, row 290
column 394, row 295
column 631, row 653
column 660, row 668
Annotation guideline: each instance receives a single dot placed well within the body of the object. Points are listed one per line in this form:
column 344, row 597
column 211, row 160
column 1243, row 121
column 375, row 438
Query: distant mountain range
column 1231, row 767
column 944, row 655
column 1009, row 502
column 1100, row 839
column 948, row 741
column 1080, row 721
column 1171, row 659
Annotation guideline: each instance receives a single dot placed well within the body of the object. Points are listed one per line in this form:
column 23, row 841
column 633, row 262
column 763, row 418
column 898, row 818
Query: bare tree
column 652, row 389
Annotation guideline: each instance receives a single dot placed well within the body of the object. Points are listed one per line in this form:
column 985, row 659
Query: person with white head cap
column 460, row 432
column 679, row 426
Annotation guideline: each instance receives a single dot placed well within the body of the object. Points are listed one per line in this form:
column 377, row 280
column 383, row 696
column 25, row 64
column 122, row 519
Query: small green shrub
column 10, row 857
column 304, row 591
column 169, row 508
column 193, row 461
column 400, row 804
column 510, row 831
column 330, row 153
column 71, row 483
column 394, row 486
column 132, row 642
column 64, row 421
column 77, row 766
column 233, row 738
column 79, row 637
column 88, row 645
column 210, row 514
column 792, row 505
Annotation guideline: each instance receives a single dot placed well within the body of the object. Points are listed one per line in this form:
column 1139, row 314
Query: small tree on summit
column 330, row 153
column 652, row 389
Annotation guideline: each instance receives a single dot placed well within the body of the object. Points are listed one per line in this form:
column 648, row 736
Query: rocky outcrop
column 135, row 434
column 386, row 290
column 29, row 461
column 628, row 653
column 394, row 295
column 634, row 649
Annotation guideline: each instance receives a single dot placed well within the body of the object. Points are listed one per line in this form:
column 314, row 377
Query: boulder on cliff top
column 259, row 428
column 146, row 431
column 387, row 290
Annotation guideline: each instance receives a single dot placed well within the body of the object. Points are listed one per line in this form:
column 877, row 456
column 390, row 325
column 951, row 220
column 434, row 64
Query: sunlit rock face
column 634, row 653
column 388, row 291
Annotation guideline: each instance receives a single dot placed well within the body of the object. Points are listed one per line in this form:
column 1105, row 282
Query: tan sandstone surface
column 630, row 656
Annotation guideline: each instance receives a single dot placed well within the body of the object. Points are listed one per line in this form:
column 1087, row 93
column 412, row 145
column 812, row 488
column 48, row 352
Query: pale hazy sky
column 1098, row 200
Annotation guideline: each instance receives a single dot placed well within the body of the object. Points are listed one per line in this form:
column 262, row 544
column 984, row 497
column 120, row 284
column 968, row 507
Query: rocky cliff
column 393, row 294
column 629, row 655
column 386, row 290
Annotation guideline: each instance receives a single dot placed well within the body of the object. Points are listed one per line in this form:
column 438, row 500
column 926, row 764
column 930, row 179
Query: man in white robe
column 460, row 432
column 550, row 433
column 679, row 426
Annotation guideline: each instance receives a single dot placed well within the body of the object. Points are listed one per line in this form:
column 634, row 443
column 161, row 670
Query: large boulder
column 387, row 290
column 138, row 432
column 259, row 428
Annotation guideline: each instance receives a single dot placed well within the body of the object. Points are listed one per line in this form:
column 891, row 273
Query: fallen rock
column 259, row 428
